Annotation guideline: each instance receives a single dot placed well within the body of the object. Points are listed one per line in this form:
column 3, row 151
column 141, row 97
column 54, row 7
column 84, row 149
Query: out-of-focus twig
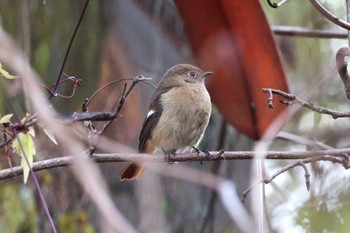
column 302, row 140
column 282, row 30
column 226, row 191
column 208, row 220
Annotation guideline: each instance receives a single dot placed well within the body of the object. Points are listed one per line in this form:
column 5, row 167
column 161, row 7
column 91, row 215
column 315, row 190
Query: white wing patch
column 150, row 113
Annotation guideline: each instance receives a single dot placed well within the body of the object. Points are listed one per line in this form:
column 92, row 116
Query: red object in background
column 233, row 39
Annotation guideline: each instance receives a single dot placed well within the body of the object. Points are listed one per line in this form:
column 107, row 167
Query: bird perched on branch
column 178, row 115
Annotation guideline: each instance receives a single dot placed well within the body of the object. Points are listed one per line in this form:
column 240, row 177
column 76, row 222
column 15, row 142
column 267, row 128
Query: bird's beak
column 206, row 74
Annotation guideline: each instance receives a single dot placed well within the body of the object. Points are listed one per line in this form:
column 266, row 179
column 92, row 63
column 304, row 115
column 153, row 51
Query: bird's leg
column 198, row 151
column 206, row 152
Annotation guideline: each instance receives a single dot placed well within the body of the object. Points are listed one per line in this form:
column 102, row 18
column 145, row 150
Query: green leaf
column 5, row 74
column 26, row 140
column 6, row 119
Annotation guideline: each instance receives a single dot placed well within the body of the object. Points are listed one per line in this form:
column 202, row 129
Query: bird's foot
column 206, row 152
column 167, row 155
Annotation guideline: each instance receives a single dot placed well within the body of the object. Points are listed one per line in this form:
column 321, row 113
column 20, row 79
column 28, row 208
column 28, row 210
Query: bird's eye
column 192, row 74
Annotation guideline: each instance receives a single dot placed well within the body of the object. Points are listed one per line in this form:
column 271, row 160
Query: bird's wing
column 149, row 124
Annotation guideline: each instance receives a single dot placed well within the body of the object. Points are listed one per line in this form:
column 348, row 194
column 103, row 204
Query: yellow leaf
column 25, row 118
column 28, row 146
column 31, row 131
column 6, row 118
column 5, row 74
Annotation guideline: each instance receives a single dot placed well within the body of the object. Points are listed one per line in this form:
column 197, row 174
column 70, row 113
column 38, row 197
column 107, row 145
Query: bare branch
column 146, row 80
column 122, row 99
column 54, row 88
column 335, row 159
column 339, row 156
column 88, row 116
column 302, row 140
column 299, row 163
column 281, row 30
column 334, row 19
column 292, row 99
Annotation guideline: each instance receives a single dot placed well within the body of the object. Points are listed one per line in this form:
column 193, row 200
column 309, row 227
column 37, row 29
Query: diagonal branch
column 122, row 99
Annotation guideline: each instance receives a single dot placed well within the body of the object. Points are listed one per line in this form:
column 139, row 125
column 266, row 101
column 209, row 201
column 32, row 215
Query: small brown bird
column 178, row 115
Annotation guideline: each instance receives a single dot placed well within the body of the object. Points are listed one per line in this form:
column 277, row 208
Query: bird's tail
column 132, row 172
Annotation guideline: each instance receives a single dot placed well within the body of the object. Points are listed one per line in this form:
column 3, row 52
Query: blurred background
column 123, row 39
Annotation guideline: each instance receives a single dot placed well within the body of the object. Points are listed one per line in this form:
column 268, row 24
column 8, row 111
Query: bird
column 178, row 115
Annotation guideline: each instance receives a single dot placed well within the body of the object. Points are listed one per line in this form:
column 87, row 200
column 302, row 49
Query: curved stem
column 329, row 15
column 54, row 88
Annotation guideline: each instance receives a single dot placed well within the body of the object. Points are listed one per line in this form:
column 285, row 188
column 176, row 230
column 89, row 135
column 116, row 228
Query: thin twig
column 76, row 83
column 87, row 116
column 122, row 99
column 302, row 140
column 37, row 185
column 104, row 86
column 120, row 103
column 299, row 163
column 270, row 99
column 282, row 30
column 342, row 159
column 334, row 19
column 146, row 80
column 292, row 99
column 117, row 110
column 69, row 48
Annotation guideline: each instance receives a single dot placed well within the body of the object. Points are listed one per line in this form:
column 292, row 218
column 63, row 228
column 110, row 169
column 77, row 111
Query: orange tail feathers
column 131, row 172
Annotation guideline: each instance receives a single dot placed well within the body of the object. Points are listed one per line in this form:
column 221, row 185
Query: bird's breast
column 185, row 116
